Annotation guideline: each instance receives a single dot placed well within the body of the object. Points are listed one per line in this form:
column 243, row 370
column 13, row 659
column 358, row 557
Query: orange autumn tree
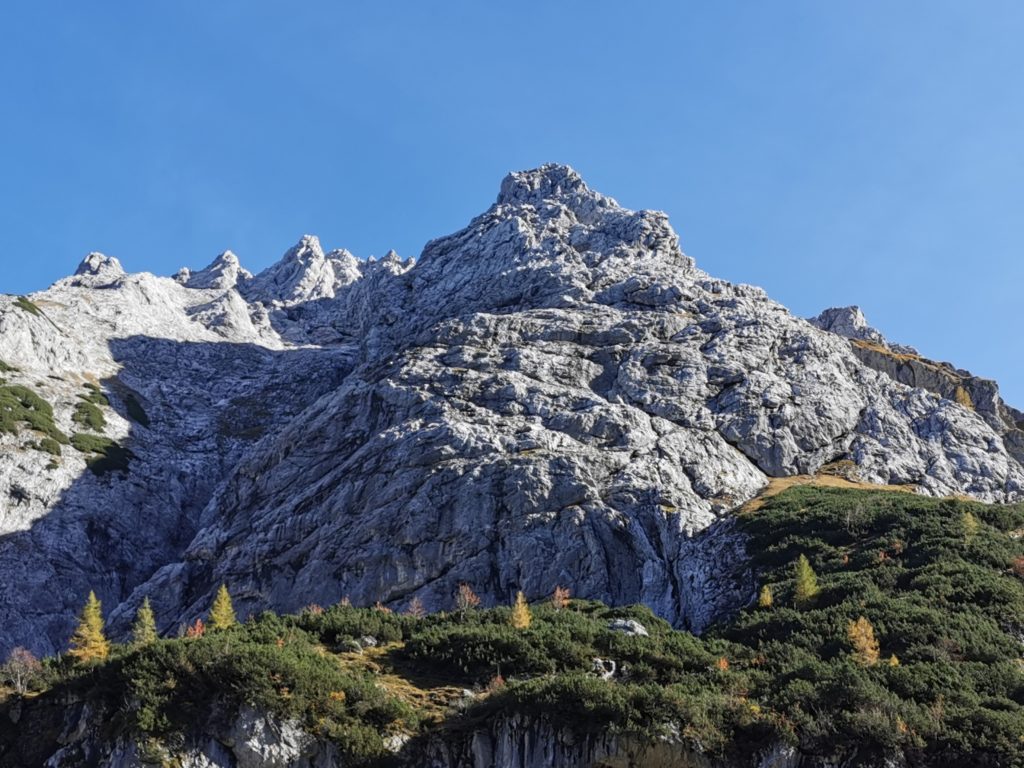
column 466, row 599
column 560, row 599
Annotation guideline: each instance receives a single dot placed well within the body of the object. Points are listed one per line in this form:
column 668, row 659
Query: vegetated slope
column 555, row 393
column 940, row 583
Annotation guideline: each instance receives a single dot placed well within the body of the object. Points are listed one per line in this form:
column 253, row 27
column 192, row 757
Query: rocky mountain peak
column 551, row 184
column 303, row 274
column 98, row 265
column 223, row 273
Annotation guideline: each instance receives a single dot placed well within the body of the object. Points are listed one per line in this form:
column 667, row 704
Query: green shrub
column 89, row 415
column 343, row 622
column 171, row 685
column 95, row 395
column 50, row 446
column 21, row 405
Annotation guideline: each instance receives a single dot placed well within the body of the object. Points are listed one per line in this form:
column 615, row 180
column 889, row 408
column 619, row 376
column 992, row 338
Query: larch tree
column 222, row 612
column 865, row 646
column 521, row 616
column 144, row 628
column 806, row 588
column 88, row 643
column 971, row 526
column 765, row 598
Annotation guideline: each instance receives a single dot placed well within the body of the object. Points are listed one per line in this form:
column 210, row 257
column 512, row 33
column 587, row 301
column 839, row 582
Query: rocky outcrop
column 249, row 738
column 851, row 323
column 225, row 272
column 244, row 739
column 905, row 365
column 519, row 742
column 304, row 274
column 555, row 394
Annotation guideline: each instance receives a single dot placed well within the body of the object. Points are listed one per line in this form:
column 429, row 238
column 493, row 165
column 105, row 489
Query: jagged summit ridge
column 554, row 394
column 304, row 274
column 223, row 273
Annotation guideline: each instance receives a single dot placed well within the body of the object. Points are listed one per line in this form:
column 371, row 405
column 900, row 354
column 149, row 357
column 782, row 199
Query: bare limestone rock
column 554, row 395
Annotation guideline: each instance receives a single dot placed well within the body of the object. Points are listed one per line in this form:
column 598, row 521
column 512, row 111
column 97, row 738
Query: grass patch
column 27, row 305
column 93, row 394
column 89, row 415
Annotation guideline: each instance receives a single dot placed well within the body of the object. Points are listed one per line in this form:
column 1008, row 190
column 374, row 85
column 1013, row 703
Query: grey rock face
column 524, row 743
column 244, row 739
column 905, row 365
column 204, row 400
column 554, row 395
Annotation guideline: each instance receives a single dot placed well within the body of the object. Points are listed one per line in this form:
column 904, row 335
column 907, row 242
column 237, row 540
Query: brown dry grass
column 777, row 485
column 431, row 698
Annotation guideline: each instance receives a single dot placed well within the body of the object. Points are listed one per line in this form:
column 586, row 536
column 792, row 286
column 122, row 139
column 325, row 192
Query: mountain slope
column 553, row 395
column 931, row 679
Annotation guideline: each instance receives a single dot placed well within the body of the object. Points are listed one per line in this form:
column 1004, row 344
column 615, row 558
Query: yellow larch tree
column 144, row 628
column 222, row 612
column 862, row 637
column 806, row 588
column 521, row 616
column 89, row 643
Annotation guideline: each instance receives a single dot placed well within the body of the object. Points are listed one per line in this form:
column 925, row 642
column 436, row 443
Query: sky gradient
column 834, row 153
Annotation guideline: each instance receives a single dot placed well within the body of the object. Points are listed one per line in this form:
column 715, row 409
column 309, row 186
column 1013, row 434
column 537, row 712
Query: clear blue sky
column 836, row 152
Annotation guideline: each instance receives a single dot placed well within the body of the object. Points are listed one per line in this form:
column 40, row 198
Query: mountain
column 555, row 394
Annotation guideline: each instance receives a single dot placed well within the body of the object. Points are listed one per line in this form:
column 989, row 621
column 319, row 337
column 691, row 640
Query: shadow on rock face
column 193, row 409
